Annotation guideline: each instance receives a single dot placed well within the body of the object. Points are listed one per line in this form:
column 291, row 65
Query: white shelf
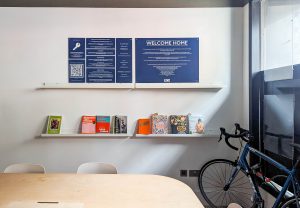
column 87, row 86
column 129, row 135
column 130, row 86
column 178, row 86
column 177, row 135
column 85, row 135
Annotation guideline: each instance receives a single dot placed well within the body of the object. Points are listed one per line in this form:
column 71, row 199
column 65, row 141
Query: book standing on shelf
column 102, row 124
column 179, row 124
column 159, row 124
column 144, row 126
column 119, row 125
column 196, row 124
column 54, row 124
column 88, row 124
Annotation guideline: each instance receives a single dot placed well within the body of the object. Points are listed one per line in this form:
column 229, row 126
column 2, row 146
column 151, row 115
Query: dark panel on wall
column 279, row 124
column 124, row 3
column 255, row 74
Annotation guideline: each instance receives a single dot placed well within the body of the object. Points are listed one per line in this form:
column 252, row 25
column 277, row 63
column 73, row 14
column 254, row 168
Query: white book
column 196, row 124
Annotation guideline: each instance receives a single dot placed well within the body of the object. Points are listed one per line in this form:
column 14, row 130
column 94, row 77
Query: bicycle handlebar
column 243, row 134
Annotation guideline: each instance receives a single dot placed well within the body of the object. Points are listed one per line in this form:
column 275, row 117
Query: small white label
column 167, row 80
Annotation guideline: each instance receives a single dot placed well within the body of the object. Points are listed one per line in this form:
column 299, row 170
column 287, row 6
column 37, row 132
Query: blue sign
column 76, row 48
column 100, row 60
column 105, row 62
column 100, row 69
column 76, row 71
column 167, row 60
column 100, row 46
column 100, row 75
column 124, row 60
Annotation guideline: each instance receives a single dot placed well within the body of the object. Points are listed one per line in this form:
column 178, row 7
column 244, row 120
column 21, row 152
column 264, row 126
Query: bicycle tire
column 213, row 177
column 291, row 203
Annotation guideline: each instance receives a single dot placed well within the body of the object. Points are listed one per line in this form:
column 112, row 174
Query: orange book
column 144, row 126
column 88, row 124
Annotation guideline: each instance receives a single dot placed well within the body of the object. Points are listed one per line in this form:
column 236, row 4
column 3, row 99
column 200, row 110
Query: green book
column 54, row 124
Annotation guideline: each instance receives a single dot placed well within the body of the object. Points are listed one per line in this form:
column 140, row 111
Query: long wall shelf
column 85, row 135
column 130, row 86
column 95, row 136
column 176, row 135
column 178, row 86
column 86, row 86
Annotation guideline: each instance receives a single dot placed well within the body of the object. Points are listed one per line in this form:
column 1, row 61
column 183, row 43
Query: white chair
column 234, row 205
column 24, row 168
column 97, row 168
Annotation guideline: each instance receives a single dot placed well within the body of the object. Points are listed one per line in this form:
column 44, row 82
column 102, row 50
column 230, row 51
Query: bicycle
column 222, row 181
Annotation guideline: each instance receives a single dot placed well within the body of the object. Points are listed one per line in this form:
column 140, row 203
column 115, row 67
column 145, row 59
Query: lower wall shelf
column 176, row 135
column 95, row 136
column 85, row 135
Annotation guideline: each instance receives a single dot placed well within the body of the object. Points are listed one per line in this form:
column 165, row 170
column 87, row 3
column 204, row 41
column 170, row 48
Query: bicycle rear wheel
column 291, row 204
column 212, row 178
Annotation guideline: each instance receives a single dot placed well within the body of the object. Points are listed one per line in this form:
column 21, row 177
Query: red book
column 102, row 124
column 88, row 124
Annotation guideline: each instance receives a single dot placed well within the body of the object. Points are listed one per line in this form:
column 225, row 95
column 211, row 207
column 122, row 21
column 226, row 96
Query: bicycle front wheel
column 212, row 179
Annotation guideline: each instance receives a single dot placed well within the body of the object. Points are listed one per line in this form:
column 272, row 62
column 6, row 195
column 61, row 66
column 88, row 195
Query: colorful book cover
column 159, row 124
column 88, row 125
column 102, row 124
column 120, row 125
column 196, row 124
column 179, row 124
column 144, row 126
column 54, row 124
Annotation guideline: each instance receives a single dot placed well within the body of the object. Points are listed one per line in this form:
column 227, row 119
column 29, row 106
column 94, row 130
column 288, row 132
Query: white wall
column 33, row 50
column 281, row 33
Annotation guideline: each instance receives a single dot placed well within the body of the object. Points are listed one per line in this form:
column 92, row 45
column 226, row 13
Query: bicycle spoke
column 222, row 173
column 219, row 197
column 211, row 179
column 215, row 195
column 223, row 198
column 218, row 174
column 212, row 184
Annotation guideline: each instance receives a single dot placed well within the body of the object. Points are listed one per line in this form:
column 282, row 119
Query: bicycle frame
column 243, row 164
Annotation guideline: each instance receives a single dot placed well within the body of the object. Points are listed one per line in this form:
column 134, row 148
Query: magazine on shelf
column 144, row 126
column 159, row 124
column 54, row 124
column 196, row 124
column 120, row 125
column 88, row 124
column 102, row 124
column 179, row 124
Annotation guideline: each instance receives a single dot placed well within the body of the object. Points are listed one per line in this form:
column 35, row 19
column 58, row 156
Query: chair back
column 234, row 205
column 97, row 168
column 24, row 168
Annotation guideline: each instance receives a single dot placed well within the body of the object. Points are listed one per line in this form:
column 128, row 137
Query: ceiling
column 124, row 3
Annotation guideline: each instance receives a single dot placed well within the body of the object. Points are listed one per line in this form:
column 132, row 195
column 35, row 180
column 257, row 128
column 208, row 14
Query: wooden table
column 97, row 191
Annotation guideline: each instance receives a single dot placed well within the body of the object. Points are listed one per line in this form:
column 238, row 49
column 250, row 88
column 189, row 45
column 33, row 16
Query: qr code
column 76, row 70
